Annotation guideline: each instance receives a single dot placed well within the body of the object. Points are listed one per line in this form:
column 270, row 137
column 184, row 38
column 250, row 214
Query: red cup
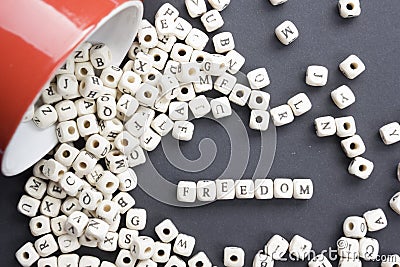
column 36, row 38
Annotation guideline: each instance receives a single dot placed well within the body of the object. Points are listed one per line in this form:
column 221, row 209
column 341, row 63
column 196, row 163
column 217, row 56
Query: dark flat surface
column 325, row 39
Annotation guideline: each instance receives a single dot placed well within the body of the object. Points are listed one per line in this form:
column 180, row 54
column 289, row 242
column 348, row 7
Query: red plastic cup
column 36, row 38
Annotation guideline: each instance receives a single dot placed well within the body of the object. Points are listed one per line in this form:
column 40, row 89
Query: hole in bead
column 61, row 173
column 116, row 153
column 351, row 226
column 86, row 124
column 127, row 260
column 353, row 146
column 151, row 77
column 41, row 168
column 346, row 125
column 148, row 38
column 66, row 154
column 82, row 165
column 222, row 66
column 124, row 142
column 362, row 168
column 131, row 79
column 199, row 59
column 84, row 71
column 182, row 52
column 25, row 255
column 233, row 258
column 259, row 119
column 107, row 208
column 71, row 130
column 166, row 231
column 160, row 252
column 239, row 93
column 350, row 6
column 157, row 57
column 147, row 250
column 95, row 144
column 110, row 78
column 259, row 99
column 396, row 265
column 353, row 66
column 192, row 71
column 109, row 184
column 147, row 94
column 199, row 264
column 184, row 90
column 39, row 225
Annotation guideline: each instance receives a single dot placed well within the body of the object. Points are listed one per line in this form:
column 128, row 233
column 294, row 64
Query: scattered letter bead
column 46, row 245
column 300, row 104
column 71, row 183
column 76, row 223
column 50, row 206
column 316, row 75
column 277, row 2
column 184, row 245
column 282, row 115
column 369, row 248
column 89, row 199
column 235, row 61
column 27, row 255
column 395, row 203
column 244, row 189
column 258, row 78
column 349, row 8
column 87, row 125
column 125, row 237
column 223, row 42
column 303, row 188
column 390, row 133
column 225, row 188
column 286, row 32
column 200, row 259
column 89, row 261
column 183, row 130
column 142, row 247
column 276, row 247
column 166, row 231
column 212, row 20
column 35, row 187
column 225, row 83
column 136, row 219
column 125, row 201
column 348, row 248
column 259, row 120
column 91, row 87
column 84, row 163
column 221, row 107
column 67, row 86
column 181, row 52
column 107, row 210
column 219, row 4
column 54, row 170
column 206, row 190
column 162, row 252
column 100, row 56
column 124, row 259
column 300, row 247
column 353, row 146
column 197, row 39
column 149, row 140
column 352, row 66
column 110, row 242
column 48, row 262
column 162, row 124
column 45, row 116
column 174, row 261
column 240, row 94
column 233, row 257
column 345, row 126
column 58, row 225
column 196, row 8
column 186, row 191
column 116, row 162
column 182, row 29
column 68, row 260
column 361, row 167
column 343, row 96
column 259, row 100
column 325, row 126
column 199, row 106
column 66, row 110
column 376, row 220
column 40, row 225
column 96, row 229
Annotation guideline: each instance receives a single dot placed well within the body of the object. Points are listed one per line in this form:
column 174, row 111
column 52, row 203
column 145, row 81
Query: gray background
column 325, row 39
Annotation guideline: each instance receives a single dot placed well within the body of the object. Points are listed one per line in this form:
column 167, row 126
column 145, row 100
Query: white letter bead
column 81, row 53
column 286, row 32
column 319, row 261
column 136, row 157
column 395, row 203
column 197, row 39
column 162, row 252
column 125, row 236
column 361, row 167
column 188, row 72
column 50, row 206
column 106, row 107
column 345, row 126
column 143, row 63
column 40, row 225
column 147, row 95
column 219, row 4
column 186, row 191
column 58, row 225
column 107, row 210
column 91, row 87
column 221, row 107
column 282, row 115
column 199, row 106
column 183, row 130
column 349, row 8
column 116, row 162
column 300, row 104
column 283, row 188
column 390, row 133
column 351, row 67
column 369, row 248
column 166, row 231
column 166, row 43
column 85, row 106
column 89, row 261
column 355, row 227
column 136, row 219
column 303, row 188
column 316, row 75
column 70, row 205
column 125, row 142
column 160, row 58
column 98, row 145
column 235, row 61
column 353, row 146
column 111, row 75
column 182, row 29
column 83, row 69
column 225, row 188
column 96, row 230
column 89, row 199
column 100, row 56
column 223, row 42
column 46, row 245
column 66, row 110
column 205, row 83
column 262, row 260
column 244, row 189
column 162, row 124
column 259, row 120
column 38, row 168
column 147, row 35
column 54, row 190
column 233, row 257
column 149, row 140
column 263, row 189
column 186, row 91
column 142, row 247
column 48, row 262
column 165, row 26
column 66, row 154
column 110, row 242
column 67, row 86
column 258, row 78
column 76, row 223
column 84, row 163
column 200, row 259
column 68, row 243
column 343, row 97
column 376, row 220
column 35, row 187
column 127, row 104
column 49, row 94
column 124, row 259
column 108, row 183
column 348, row 248
column 240, row 94
column 300, row 247
column 276, row 247
column 225, row 83
column 167, row 10
column 181, row 52
column 71, row 183
column 212, row 20
column 184, row 245
column 277, row 2
column 325, row 126
column 206, row 190
column 125, row 201
column 27, row 255
column 45, row 116
column 259, row 100
column 67, row 131
column 129, row 82
column 343, row 262
column 87, row 125
column 174, row 261
column 196, row 8
column 215, row 64
column 68, row 260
